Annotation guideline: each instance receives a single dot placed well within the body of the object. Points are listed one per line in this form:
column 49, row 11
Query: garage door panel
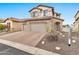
column 38, row 27
column 35, row 27
column 26, row 28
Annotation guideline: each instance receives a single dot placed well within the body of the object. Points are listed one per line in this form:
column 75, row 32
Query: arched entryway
column 57, row 26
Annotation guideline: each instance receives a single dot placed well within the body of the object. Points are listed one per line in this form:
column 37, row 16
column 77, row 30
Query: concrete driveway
column 3, row 33
column 23, row 37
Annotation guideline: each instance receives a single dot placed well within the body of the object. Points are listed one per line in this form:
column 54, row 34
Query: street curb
column 26, row 48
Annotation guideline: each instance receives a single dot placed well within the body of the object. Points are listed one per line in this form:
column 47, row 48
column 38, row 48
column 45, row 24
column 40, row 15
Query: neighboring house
column 43, row 18
column 76, row 23
column 13, row 24
column 66, row 28
column 2, row 21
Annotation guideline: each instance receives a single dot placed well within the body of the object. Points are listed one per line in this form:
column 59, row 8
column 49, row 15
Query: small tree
column 2, row 26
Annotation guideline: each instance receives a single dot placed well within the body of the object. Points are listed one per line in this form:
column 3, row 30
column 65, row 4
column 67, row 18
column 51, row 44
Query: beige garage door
column 40, row 27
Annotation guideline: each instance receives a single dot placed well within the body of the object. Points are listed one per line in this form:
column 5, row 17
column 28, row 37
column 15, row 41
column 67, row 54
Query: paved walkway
column 29, row 38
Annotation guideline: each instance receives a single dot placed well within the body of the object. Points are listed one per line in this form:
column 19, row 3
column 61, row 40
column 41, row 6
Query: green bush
column 2, row 26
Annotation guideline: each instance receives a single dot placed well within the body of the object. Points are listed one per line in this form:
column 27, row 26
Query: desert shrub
column 51, row 37
column 2, row 26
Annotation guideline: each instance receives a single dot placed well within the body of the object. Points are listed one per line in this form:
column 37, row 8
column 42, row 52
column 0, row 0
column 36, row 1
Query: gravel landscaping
column 60, row 45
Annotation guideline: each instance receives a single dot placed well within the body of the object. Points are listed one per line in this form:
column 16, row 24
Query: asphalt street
column 7, row 50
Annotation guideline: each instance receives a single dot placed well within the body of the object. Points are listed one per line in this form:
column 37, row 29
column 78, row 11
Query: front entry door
column 57, row 25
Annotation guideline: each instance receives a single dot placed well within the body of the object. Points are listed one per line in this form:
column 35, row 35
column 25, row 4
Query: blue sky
column 20, row 10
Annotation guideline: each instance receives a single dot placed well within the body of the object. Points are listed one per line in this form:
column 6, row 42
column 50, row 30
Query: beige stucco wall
column 17, row 26
column 76, row 25
column 9, row 21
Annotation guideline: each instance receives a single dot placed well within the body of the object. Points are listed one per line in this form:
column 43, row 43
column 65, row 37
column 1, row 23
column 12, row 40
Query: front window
column 45, row 12
column 34, row 14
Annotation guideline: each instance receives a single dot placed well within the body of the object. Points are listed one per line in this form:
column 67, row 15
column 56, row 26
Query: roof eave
column 76, row 13
column 59, row 18
column 40, row 5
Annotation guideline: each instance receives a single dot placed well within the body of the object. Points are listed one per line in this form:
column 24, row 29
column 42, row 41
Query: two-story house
column 76, row 23
column 42, row 11
column 43, row 18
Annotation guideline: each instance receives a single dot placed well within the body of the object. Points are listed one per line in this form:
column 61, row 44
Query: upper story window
column 34, row 14
column 45, row 13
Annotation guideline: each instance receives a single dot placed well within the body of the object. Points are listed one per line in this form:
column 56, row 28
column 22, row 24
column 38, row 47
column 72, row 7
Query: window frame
column 35, row 14
column 45, row 12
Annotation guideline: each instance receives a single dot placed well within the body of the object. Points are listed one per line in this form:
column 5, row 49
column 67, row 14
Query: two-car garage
column 36, row 26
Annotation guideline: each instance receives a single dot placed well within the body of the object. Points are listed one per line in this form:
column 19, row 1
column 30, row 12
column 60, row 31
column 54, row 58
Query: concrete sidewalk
column 27, row 48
